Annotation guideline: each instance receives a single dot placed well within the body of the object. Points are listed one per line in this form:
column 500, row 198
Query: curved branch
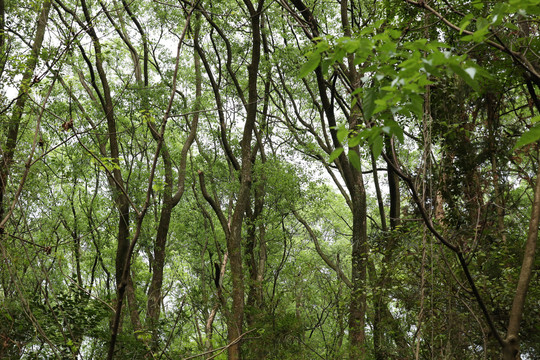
column 323, row 256
column 219, row 103
column 213, row 204
column 453, row 248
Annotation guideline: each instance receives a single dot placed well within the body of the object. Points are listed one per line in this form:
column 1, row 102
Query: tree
column 269, row 180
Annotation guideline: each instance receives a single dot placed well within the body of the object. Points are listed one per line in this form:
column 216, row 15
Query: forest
column 269, row 179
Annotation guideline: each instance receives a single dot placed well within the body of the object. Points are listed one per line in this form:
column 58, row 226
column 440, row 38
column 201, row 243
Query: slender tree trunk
column 253, row 299
column 170, row 200
column 235, row 323
column 116, row 181
column 233, row 228
column 380, row 200
column 3, row 48
column 355, row 185
column 360, row 249
column 511, row 343
column 24, row 88
column 256, row 260
column 358, row 272
column 256, row 269
column 234, row 240
column 153, row 305
column 383, row 318
column 134, row 310
column 393, row 187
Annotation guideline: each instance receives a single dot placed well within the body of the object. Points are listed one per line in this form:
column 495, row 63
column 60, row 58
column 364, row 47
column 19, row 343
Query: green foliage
column 531, row 135
column 458, row 106
column 397, row 74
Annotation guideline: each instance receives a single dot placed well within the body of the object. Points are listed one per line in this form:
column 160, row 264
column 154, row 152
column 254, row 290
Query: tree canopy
column 289, row 179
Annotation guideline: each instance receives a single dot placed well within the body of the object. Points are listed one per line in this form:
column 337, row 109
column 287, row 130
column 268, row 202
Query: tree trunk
column 3, row 48
column 511, row 343
column 393, row 187
column 153, row 305
column 24, row 88
column 358, row 271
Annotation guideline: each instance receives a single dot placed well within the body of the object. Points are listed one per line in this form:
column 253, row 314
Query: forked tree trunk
column 233, row 228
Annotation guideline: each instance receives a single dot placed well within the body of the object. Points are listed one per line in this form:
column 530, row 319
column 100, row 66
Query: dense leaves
column 269, row 180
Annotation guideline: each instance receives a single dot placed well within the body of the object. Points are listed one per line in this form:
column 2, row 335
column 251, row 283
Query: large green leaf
column 369, row 103
column 311, row 64
column 467, row 75
column 335, row 154
column 342, row 133
column 530, row 136
column 377, row 146
column 355, row 159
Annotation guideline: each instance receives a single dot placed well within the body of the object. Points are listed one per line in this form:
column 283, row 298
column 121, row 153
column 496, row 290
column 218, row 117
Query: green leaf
column 511, row 26
column 392, row 128
column 480, row 35
column 481, row 23
column 382, row 105
column 429, row 68
column 530, row 136
column 377, row 146
column 465, row 22
column 465, row 75
column 363, row 51
column 417, row 105
column 349, row 45
column 478, row 5
column 322, row 46
column 355, row 160
column 310, row 65
column 342, row 133
column 394, row 33
column 335, row 154
column 325, row 65
column 356, row 140
column 369, row 103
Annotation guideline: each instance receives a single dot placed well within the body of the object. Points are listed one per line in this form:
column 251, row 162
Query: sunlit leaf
column 457, row 69
column 377, row 146
column 335, row 154
column 310, row 65
column 531, row 135
column 342, row 133
column 355, row 160
column 465, row 22
column 392, row 128
column 356, row 140
column 471, row 71
column 369, row 103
